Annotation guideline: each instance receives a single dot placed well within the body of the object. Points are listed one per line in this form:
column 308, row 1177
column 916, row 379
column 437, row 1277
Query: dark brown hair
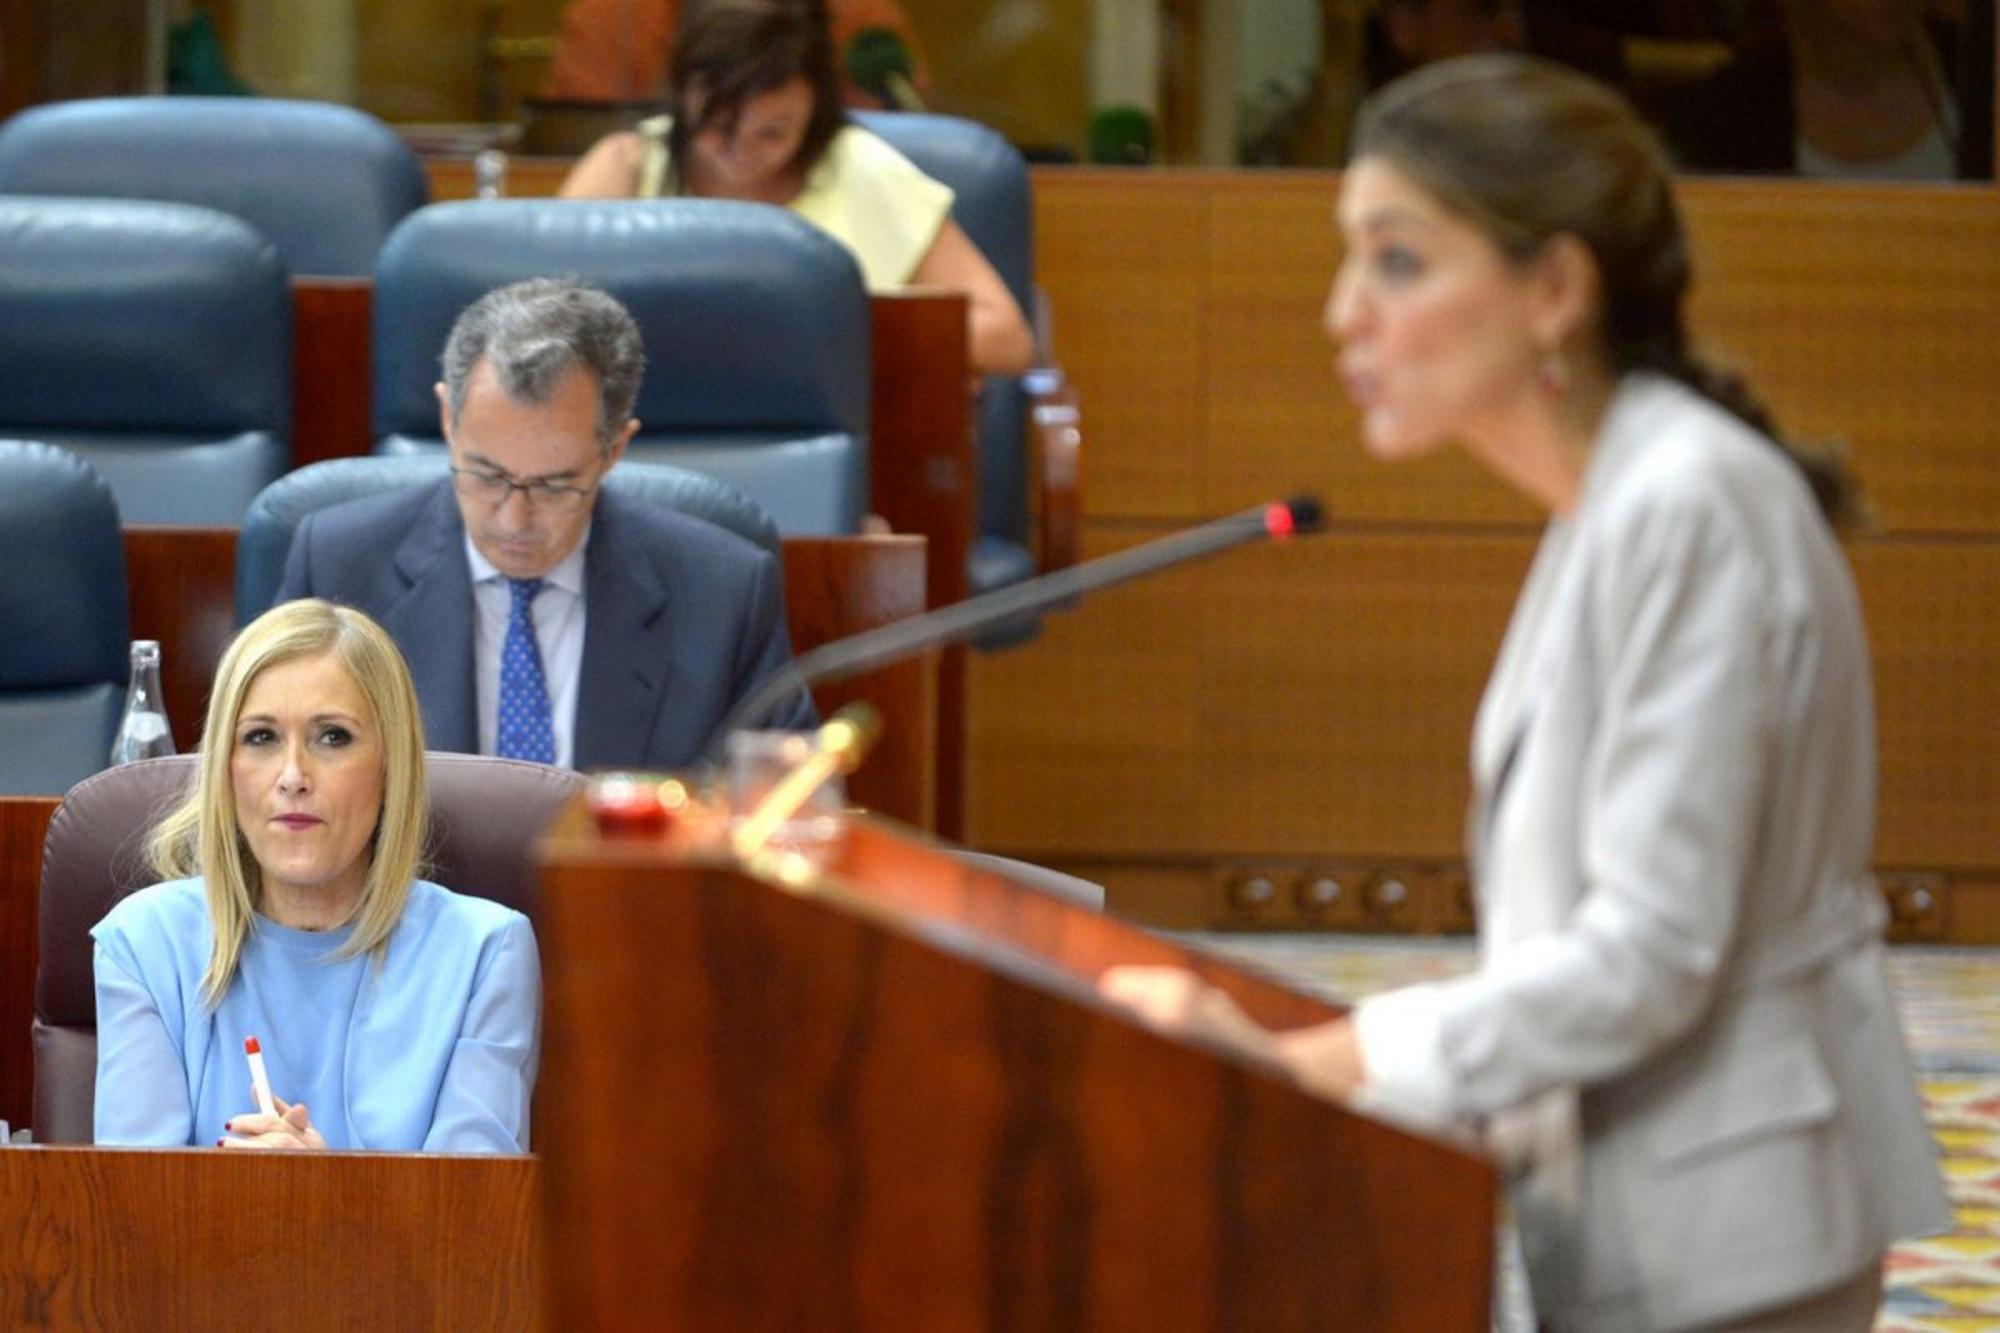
column 729, row 51
column 1527, row 151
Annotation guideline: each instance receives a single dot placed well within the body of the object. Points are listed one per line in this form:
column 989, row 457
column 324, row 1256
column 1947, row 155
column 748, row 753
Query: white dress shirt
column 558, row 615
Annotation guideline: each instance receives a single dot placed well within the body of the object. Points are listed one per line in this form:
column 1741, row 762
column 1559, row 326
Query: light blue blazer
column 432, row 1050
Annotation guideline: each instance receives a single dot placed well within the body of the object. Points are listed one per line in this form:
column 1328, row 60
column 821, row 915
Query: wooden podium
column 889, row 1098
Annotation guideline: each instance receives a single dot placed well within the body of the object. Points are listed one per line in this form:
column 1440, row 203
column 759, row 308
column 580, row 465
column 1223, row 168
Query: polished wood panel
column 332, row 383
column 23, row 822
column 923, row 478
column 837, row 586
column 182, row 587
column 133, row 1240
column 891, row 1100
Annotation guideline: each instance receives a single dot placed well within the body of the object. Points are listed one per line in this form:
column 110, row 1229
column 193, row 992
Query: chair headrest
column 325, row 183
column 122, row 315
column 274, row 516
column 63, row 615
column 752, row 317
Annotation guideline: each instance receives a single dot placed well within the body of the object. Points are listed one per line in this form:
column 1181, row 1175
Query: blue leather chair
column 994, row 206
column 275, row 515
column 325, row 183
column 64, row 635
column 154, row 339
column 756, row 324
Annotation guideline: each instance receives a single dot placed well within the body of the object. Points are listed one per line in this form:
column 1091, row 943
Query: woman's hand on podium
column 291, row 1127
column 1325, row 1058
column 1174, row 1000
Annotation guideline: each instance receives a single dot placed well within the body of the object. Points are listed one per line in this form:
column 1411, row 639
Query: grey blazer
column 681, row 619
column 1673, row 812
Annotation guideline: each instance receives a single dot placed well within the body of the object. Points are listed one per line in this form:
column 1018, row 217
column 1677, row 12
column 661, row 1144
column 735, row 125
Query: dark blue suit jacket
column 681, row 618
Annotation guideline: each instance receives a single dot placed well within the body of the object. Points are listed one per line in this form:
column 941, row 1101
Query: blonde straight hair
column 201, row 836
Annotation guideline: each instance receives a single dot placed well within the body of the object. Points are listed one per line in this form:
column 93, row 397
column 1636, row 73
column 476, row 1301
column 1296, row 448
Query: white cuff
column 1401, row 1053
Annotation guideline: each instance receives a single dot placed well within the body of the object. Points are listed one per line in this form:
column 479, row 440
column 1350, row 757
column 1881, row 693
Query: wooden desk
column 890, row 1099
column 203, row 1239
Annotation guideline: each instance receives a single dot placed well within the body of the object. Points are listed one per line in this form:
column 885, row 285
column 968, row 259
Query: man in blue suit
column 542, row 616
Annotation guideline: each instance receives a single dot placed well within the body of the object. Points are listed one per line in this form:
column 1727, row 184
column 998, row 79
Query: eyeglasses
column 496, row 488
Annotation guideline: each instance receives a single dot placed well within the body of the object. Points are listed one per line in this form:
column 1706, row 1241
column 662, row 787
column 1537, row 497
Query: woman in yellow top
column 758, row 117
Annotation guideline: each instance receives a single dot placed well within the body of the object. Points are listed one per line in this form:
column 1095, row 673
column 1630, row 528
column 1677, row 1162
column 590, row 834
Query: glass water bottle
column 143, row 732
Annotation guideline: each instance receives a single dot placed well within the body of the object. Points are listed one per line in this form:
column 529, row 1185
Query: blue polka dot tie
column 525, row 731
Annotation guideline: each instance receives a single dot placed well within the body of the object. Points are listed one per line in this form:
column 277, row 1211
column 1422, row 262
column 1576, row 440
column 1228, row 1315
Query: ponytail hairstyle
column 1527, row 150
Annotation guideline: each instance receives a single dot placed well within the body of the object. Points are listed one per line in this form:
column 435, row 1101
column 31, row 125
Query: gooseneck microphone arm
column 962, row 620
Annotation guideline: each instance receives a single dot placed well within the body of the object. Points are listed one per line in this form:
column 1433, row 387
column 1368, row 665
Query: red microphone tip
column 1278, row 521
column 250, row 1046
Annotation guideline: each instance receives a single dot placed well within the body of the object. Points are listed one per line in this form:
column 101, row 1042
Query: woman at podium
column 1680, row 1038
column 388, row 1013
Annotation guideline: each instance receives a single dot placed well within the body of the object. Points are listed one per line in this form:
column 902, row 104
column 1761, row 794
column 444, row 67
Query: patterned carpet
column 1949, row 1000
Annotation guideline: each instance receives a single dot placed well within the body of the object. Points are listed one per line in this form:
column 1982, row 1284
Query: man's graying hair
column 532, row 332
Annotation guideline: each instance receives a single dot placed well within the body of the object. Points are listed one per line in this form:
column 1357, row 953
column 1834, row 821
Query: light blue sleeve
column 142, row 1097
column 482, row 1105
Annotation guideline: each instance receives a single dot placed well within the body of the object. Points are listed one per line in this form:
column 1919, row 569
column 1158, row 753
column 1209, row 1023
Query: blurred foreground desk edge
column 129, row 1239
column 892, row 1101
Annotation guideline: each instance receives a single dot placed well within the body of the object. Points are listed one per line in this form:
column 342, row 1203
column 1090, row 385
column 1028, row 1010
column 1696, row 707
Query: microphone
column 962, row 620
column 879, row 62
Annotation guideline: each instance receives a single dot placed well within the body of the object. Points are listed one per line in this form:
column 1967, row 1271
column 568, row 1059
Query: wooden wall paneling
column 1860, row 312
column 332, row 360
column 194, row 1238
column 1933, row 613
column 1866, row 315
column 1120, row 255
column 1278, row 420
column 23, row 822
column 1086, row 740
column 1312, row 699
column 1339, row 677
column 182, row 586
